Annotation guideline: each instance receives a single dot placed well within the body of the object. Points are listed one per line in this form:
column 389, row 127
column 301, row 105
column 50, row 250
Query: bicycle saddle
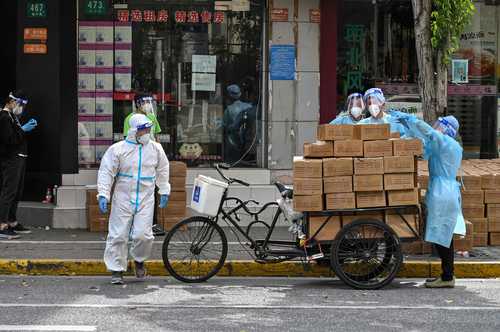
column 284, row 191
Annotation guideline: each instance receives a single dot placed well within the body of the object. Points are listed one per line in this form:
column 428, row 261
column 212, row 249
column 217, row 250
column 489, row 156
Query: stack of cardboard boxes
column 352, row 167
column 96, row 221
column 480, row 181
column 175, row 211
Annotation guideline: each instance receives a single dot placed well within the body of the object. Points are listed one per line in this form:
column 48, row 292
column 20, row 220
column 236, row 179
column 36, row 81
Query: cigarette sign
column 279, row 15
column 35, row 49
column 35, row 34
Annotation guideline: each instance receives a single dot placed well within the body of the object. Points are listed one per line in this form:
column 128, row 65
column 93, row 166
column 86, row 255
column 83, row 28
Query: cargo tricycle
column 365, row 253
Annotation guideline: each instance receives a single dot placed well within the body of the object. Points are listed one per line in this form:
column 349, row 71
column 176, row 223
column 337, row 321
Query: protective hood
column 138, row 122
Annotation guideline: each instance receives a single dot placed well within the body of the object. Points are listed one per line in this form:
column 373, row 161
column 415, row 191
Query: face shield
column 355, row 105
column 446, row 127
column 375, row 100
column 20, row 104
column 148, row 105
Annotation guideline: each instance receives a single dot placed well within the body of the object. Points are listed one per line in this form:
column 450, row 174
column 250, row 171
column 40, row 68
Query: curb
column 83, row 267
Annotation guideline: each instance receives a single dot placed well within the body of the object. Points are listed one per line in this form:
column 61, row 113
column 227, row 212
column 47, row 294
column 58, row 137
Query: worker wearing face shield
column 355, row 107
column 375, row 102
column 443, row 197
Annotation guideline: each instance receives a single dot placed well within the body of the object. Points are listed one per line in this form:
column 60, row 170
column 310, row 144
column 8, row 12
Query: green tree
column 438, row 25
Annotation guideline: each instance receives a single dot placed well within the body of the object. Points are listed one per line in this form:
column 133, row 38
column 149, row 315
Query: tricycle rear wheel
column 366, row 254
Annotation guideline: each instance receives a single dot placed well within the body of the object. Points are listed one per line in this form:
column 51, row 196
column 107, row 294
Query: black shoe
column 158, row 230
column 117, row 278
column 20, row 229
column 8, row 234
column 140, row 271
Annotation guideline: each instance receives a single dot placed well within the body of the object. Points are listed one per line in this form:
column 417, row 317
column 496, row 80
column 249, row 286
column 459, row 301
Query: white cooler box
column 207, row 195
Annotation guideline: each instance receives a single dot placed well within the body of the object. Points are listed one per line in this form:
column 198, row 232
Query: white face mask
column 18, row 110
column 356, row 111
column 374, row 110
column 144, row 139
column 148, row 108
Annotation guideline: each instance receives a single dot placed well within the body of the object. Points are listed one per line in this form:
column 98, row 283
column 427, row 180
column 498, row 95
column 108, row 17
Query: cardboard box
column 346, row 220
column 328, row 232
column 490, row 197
column 92, row 197
column 395, row 134
column 401, row 164
column 367, row 166
column 370, row 199
column 97, row 222
column 176, row 196
column 339, row 201
column 348, row 148
column 398, row 224
column 471, row 198
column 423, row 181
column 308, row 203
column 463, row 244
column 480, row 239
column 494, row 239
column 407, row 147
column 336, row 132
column 402, row 197
column 490, row 181
column 493, row 225
column 400, row 181
column 173, row 209
column 373, row 132
column 417, row 247
column 378, row 148
column 337, row 184
column 177, row 183
column 318, row 149
column 307, row 168
column 337, row 167
column 178, row 169
column 473, row 212
column 98, row 226
column 368, row 183
column 480, row 225
column 471, row 182
column 493, row 211
column 312, row 186
column 169, row 222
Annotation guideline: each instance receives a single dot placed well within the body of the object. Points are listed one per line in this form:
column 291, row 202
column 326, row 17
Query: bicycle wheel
column 194, row 250
column 366, row 254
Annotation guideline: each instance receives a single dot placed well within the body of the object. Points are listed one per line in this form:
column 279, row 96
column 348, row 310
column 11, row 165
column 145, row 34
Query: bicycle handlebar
column 229, row 180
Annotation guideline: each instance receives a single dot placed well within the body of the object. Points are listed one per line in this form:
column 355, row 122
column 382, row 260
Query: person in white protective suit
column 135, row 166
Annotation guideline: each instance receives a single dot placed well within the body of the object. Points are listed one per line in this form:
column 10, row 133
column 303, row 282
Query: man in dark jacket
column 13, row 154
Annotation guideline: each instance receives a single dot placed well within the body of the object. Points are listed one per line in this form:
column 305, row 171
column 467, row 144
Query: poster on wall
column 86, row 154
column 86, row 105
column 86, row 33
column 204, row 63
column 86, row 82
column 104, row 130
column 478, row 44
column 104, row 82
column 283, row 63
column 123, row 82
column 460, row 71
column 123, row 58
column 123, row 33
column 104, row 58
column 104, row 33
column 104, row 103
column 202, row 82
column 99, row 152
column 86, row 58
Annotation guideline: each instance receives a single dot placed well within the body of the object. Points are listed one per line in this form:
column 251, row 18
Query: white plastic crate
column 207, row 195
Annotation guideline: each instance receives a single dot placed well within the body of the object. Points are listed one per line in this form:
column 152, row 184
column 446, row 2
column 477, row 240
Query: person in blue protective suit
column 239, row 118
column 443, row 198
column 355, row 107
column 375, row 102
column 135, row 166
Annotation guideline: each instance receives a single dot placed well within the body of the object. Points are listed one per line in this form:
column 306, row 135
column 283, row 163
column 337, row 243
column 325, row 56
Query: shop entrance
column 187, row 54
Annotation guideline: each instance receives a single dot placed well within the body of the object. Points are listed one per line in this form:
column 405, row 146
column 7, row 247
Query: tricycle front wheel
column 366, row 254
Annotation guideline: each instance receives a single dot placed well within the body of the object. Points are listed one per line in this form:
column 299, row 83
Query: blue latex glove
column 29, row 126
column 163, row 201
column 400, row 115
column 103, row 204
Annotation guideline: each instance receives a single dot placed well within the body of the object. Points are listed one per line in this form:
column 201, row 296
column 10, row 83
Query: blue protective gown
column 344, row 119
column 443, row 198
column 395, row 125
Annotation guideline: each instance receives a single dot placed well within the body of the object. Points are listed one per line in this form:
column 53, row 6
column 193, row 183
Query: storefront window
column 185, row 53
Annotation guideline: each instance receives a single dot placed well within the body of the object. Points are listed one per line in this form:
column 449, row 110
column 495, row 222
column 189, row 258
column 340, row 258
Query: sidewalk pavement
column 79, row 252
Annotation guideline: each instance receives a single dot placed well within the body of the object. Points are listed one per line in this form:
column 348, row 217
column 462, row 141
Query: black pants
column 155, row 213
column 447, row 256
column 11, row 191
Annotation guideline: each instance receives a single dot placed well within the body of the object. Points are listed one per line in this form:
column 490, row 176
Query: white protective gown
column 134, row 169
